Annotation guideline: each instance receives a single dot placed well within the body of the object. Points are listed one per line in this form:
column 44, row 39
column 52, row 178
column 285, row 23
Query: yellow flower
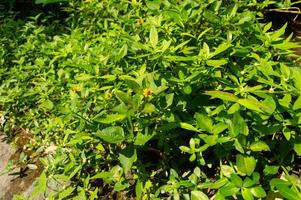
column 108, row 95
column 76, row 88
column 139, row 21
column 147, row 92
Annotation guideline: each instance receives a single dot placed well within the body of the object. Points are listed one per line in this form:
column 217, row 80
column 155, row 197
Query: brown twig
column 291, row 10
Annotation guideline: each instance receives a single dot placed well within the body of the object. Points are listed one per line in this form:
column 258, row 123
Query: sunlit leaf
column 222, row 95
column 153, row 36
column 111, row 118
column 113, row 134
column 259, row 146
column 245, row 164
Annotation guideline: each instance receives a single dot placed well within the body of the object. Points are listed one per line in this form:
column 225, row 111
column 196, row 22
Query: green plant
column 157, row 99
column 12, row 2
column 48, row 1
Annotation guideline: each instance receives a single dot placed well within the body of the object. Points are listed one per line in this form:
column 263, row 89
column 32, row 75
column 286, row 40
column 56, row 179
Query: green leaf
column 211, row 140
column 198, row 195
column 234, row 108
column 221, row 48
column 108, row 77
column 205, row 51
column 187, row 89
column 219, row 128
column 153, row 4
column 219, row 183
column 142, row 138
column 278, row 33
column 267, row 27
column 106, row 176
column 204, row 122
column 288, row 193
column 94, row 194
column 127, row 157
column 123, row 97
column 40, row 186
column 286, row 100
column 219, row 196
column 297, row 148
column 211, row 17
column 186, row 149
column 296, row 73
column 83, row 77
column 250, row 104
column 113, row 134
column 245, row 164
column 287, row 133
column 169, row 99
column 236, row 180
column 271, row 170
column 297, row 104
column 216, row 63
column 66, row 192
column 268, row 105
column 249, row 182
column 286, row 45
column 47, row 104
column 192, row 144
column 258, row 192
column 259, row 146
column 111, row 118
column 149, row 108
column 238, row 146
column 227, row 170
column 275, row 182
column 74, row 172
column 139, row 189
column 119, row 186
column 246, row 194
column 229, row 190
column 48, row 1
column 188, row 127
column 238, row 126
column 203, row 33
column 123, row 51
column 222, row 95
column 18, row 197
column 153, row 36
column 165, row 45
column 246, row 17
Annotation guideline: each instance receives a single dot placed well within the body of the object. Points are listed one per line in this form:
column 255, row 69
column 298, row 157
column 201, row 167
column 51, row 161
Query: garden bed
column 153, row 99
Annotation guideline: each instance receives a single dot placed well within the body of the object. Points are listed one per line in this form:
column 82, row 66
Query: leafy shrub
column 12, row 2
column 156, row 99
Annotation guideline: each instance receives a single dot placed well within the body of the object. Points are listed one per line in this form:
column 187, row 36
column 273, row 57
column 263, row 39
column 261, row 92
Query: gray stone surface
column 6, row 152
column 12, row 184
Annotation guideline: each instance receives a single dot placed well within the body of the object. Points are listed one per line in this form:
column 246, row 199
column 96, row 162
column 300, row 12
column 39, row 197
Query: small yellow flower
column 139, row 21
column 108, row 95
column 147, row 92
column 76, row 88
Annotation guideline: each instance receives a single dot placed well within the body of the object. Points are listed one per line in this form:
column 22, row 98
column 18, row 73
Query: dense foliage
column 172, row 99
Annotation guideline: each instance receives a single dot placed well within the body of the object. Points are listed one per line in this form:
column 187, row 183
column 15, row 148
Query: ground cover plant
column 163, row 99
